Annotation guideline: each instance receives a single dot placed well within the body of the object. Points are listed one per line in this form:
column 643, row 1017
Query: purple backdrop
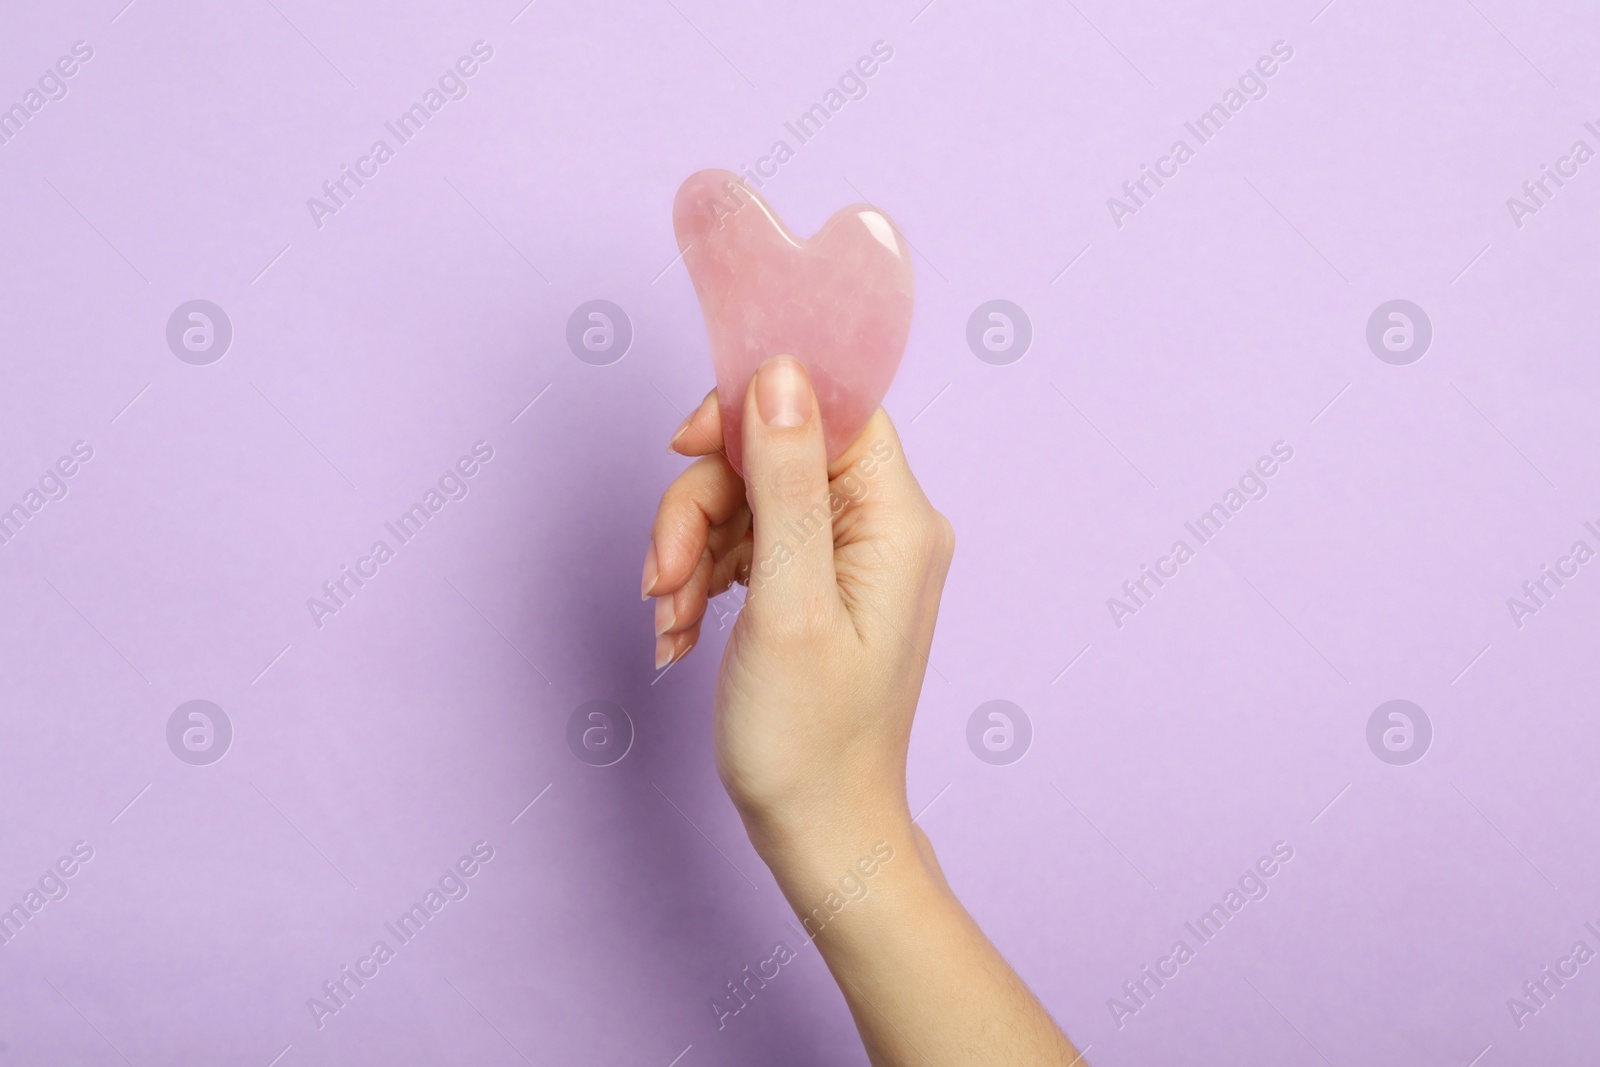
column 182, row 478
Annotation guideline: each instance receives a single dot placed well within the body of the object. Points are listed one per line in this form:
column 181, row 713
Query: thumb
column 786, row 484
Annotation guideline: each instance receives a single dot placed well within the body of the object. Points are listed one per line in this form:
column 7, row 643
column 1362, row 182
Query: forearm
column 923, row 982
column 814, row 705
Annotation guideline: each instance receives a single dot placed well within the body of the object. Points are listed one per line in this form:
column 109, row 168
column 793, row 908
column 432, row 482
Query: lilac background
column 368, row 355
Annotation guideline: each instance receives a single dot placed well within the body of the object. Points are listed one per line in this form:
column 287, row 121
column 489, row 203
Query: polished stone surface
column 839, row 302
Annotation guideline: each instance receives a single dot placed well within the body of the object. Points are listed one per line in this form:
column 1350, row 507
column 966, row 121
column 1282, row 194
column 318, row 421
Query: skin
column 845, row 563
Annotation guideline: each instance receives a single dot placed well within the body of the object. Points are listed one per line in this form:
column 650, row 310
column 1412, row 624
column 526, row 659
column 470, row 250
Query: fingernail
column 782, row 394
column 666, row 615
column 663, row 652
column 651, row 573
column 672, row 445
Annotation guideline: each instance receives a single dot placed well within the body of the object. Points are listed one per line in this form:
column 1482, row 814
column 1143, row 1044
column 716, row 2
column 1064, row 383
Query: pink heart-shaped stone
column 839, row 303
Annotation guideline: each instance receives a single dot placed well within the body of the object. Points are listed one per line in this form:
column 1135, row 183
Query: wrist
column 827, row 861
column 819, row 827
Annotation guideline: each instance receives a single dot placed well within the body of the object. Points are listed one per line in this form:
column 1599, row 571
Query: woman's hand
column 819, row 682
column 844, row 563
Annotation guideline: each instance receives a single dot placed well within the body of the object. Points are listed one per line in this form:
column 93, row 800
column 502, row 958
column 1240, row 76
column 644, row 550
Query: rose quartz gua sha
column 839, row 303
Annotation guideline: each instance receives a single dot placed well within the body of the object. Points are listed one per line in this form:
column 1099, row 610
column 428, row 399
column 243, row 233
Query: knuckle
column 791, row 479
column 676, row 530
column 676, row 505
column 947, row 536
column 929, row 538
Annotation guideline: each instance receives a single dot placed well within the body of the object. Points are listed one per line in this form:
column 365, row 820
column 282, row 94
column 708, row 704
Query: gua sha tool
column 839, row 303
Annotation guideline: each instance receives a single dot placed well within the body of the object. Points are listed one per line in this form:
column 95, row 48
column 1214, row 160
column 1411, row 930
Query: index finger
column 873, row 471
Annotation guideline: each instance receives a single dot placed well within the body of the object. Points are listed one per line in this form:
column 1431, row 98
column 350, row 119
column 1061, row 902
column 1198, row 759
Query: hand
column 845, row 563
